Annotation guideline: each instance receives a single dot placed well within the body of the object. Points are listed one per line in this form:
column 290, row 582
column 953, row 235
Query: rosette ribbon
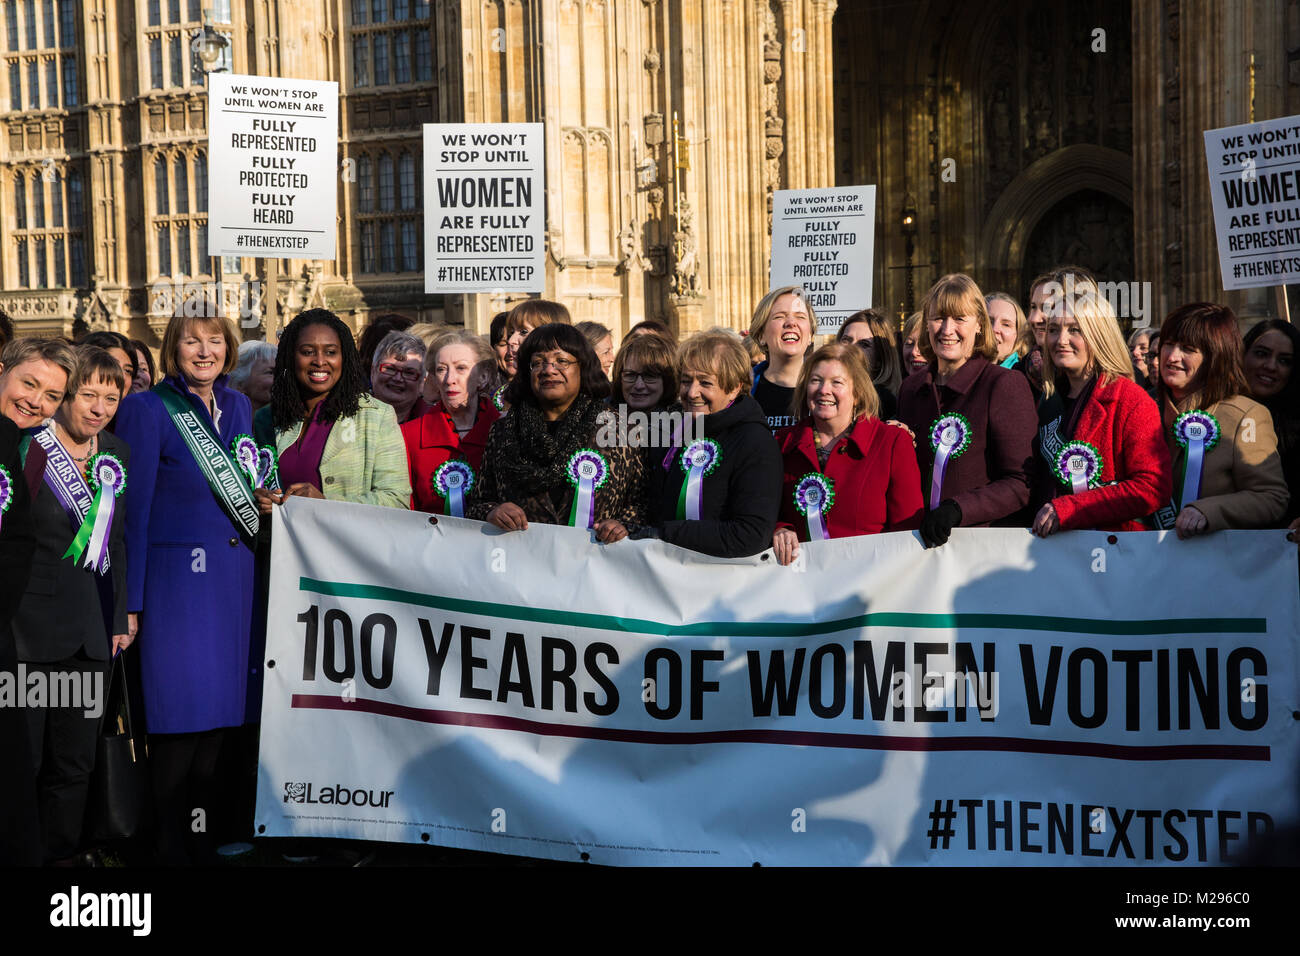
column 249, row 457
column 700, row 458
column 268, row 468
column 6, row 491
column 107, row 479
column 1079, row 466
column 453, row 480
column 950, row 436
column 813, row 496
column 587, row 471
column 1198, row 432
column 498, row 398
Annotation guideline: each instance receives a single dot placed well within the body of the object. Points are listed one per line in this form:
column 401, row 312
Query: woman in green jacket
column 331, row 438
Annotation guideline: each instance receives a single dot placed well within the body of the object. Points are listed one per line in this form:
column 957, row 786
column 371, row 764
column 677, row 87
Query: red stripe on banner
column 791, row 738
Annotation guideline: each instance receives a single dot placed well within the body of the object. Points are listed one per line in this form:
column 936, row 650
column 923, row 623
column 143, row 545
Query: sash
column 224, row 477
column 64, row 478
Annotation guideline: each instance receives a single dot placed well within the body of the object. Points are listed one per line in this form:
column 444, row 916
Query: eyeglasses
column 393, row 370
column 645, row 378
column 561, row 365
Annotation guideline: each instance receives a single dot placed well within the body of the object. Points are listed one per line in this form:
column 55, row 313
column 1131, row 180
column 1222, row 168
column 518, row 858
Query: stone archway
column 1004, row 240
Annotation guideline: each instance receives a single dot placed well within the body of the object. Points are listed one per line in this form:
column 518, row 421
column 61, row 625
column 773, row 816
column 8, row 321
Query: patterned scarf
column 536, row 458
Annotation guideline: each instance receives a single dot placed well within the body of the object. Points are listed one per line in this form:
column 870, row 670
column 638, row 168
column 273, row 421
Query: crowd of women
column 135, row 499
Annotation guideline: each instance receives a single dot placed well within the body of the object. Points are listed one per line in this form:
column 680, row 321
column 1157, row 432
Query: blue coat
column 189, row 570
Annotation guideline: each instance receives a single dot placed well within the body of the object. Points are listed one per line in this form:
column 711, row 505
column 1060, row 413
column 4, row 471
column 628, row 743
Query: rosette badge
column 950, row 436
column 700, row 458
column 587, row 470
column 6, row 492
column 1079, row 465
column 453, row 480
column 268, row 470
column 1198, row 432
column 107, row 479
column 246, row 453
column 813, row 496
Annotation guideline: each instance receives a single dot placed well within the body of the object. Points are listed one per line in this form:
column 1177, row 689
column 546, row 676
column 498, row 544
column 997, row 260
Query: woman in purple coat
column 191, row 518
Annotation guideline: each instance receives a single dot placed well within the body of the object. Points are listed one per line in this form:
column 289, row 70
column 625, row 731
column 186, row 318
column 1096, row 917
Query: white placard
column 273, row 172
column 1255, row 188
column 484, row 207
column 822, row 239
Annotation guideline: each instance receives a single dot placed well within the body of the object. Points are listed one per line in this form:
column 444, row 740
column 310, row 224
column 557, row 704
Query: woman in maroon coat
column 1102, row 458
column 974, row 421
column 845, row 471
column 457, row 426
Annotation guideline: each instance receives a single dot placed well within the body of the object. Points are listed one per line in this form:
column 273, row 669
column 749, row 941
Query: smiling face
column 1179, row 367
column 830, row 394
column 952, row 337
column 31, row 391
column 701, row 394
column 1269, row 363
column 557, row 378
column 605, row 352
column 201, row 355
column 789, row 330
column 398, row 381
column 1139, row 351
column 453, row 370
column 1037, row 318
column 513, row 344
column 499, row 349
column 318, row 361
column 642, row 390
column 85, row 414
column 912, row 352
column 1070, row 353
column 1003, row 316
column 125, row 360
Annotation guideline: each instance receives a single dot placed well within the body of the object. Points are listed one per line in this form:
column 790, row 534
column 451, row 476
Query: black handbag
column 117, row 804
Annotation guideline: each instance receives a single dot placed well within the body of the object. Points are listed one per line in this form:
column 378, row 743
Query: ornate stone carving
column 686, row 264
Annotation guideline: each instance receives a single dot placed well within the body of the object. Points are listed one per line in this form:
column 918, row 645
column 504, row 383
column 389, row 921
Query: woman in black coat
column 718, row 490
column 72, row 617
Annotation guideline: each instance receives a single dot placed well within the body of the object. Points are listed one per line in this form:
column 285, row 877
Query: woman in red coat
column 1103, row 461
column 845, row 471
column 454, row 429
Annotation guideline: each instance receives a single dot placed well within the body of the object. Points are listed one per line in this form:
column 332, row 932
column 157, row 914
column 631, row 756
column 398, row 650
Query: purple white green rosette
column 107, row 479
column 587, row 470
column 453, row 480
column 1197, row 431
column 700, row 458
column 813, row 496
column 246, row 453
column 950, row 435
column 1079, row 465
column 498, row 398
column 6, row 491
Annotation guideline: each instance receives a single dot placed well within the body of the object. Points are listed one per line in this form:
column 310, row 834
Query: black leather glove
column 937, row 525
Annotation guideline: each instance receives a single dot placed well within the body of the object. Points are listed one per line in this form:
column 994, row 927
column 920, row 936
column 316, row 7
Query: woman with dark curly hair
column 332, row 439
column 543, row 461
column 1271, row 350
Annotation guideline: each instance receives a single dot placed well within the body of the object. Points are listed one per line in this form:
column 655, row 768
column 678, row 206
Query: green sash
column 224, row 477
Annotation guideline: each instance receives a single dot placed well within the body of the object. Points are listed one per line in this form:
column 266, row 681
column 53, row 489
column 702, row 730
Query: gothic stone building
column 1017, row 133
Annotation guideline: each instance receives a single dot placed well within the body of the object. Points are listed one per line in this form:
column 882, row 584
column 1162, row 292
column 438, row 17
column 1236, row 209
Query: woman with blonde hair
column 909, row 346
column 974, row 420
column 1102, row 460
column 1009, row 328
column 845, row 471
column 783, row 325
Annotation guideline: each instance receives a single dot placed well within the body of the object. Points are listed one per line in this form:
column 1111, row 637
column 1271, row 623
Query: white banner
column 484, row 207
column 822, row 240
column 1000, row 700
column 273, row 174
column 1255, row 189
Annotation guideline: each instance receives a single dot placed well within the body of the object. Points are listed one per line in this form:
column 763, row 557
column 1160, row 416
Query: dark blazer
column 740, row 499
column 990, row 480
column 61, row 611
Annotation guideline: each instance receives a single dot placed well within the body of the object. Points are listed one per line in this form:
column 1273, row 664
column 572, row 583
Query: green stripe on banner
column 1006, row 622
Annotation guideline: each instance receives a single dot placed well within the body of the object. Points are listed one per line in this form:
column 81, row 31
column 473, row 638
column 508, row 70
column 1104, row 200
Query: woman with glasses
column 644, row 374
column 871, row 331
column 397, row 375
column 332, row 439
column 544, row 462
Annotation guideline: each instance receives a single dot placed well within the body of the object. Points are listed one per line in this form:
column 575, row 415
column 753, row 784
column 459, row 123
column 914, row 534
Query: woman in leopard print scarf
column 555, row 410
